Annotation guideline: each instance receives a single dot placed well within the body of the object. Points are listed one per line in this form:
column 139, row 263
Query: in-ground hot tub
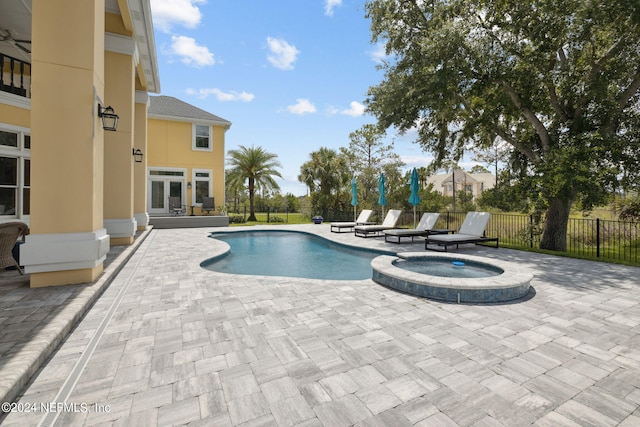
column 457, row 278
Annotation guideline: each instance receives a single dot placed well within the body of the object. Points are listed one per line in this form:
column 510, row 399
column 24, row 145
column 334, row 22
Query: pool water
column 446, row 268
column 291, row 254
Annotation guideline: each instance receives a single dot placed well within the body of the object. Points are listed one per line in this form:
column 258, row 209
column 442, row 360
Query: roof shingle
column 168, row 106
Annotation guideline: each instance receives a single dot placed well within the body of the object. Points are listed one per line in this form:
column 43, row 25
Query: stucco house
column 475, row 183
column 185, row 158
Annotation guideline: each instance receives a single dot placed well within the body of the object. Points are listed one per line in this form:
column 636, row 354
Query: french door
column 162, row 185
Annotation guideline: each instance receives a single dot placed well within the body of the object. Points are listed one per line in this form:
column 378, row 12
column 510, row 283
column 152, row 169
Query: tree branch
column 596, row 68
column 630, row 91
column 553, row 96
column 541, row 130
column 502, row 133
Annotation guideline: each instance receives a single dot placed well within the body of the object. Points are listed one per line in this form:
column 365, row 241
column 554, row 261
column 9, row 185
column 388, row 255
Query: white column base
column 142, row 219
column 118, row 228
column 66, row 251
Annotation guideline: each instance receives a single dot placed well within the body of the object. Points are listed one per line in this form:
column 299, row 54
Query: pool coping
column 511, row 285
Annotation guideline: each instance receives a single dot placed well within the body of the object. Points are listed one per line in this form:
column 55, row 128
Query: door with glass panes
column 162, row 185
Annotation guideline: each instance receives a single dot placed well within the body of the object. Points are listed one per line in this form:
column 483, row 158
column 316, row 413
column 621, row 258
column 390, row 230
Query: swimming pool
column 291, row 254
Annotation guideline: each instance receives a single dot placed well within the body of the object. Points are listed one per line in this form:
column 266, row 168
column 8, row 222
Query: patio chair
column 208, row 205
column 472, row 230
column 363, row 219
column 389, row 222
column 176, row 207
column 9, row 234
column 424, row 228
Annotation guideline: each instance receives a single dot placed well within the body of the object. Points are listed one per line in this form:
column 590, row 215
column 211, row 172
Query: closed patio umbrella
column 382, row 200
column 354, row 197
column 414, row 199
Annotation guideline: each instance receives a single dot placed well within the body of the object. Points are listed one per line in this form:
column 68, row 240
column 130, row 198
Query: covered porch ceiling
column 15, row 33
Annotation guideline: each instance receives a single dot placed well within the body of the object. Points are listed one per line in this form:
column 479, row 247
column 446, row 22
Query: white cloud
column 378, row 54
column 330, row 5
column 331, row 110
column 302, row 106
column 355, row 109
column 167, row 13
column 191, row 52
column 416, row 161
column 283, row 54
column 222, row 96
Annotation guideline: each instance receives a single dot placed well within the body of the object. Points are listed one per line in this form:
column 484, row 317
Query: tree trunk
column 252, row 190
column 554, row 236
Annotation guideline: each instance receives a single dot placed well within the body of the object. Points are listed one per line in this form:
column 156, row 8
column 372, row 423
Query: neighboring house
column 185, row 155
column 475, row 183
column 74, row 182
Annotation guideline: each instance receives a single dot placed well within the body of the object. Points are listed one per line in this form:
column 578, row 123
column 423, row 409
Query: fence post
column 244, row 214
column 531, row 231
column 268, row 214
column 287, row 210
column 597, row 237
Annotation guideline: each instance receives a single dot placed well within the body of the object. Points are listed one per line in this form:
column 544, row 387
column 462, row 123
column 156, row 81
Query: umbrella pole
column 354, row 214
column 414, row 217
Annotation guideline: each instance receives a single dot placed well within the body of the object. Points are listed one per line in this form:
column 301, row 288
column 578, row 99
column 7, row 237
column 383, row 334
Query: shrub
column 236, row 219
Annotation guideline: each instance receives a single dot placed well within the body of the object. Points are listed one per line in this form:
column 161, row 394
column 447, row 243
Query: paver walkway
column 170, row 343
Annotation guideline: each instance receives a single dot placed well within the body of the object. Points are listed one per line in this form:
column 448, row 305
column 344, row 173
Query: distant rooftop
column 168, row 107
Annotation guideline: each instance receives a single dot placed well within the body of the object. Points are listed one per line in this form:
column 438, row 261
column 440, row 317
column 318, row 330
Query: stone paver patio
column 170, row 343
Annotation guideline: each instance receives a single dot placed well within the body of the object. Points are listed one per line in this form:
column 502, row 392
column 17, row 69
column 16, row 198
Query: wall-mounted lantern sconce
column 109, row 118
column 137, row 155
column 189, row 185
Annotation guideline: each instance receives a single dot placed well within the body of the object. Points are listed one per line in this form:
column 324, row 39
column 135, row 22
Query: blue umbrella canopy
column 354, row 192
column 414, row 198
column 382, row 200
column 354, row 197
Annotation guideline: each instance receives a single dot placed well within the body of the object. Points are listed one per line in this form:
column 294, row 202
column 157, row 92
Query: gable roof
column 170, row 108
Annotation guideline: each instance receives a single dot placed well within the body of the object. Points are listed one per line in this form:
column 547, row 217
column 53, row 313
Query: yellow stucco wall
column 169, row 144
column 68, row 68
column 15, row 116
column 139, row 169
column 118, row 161
column 67, row 140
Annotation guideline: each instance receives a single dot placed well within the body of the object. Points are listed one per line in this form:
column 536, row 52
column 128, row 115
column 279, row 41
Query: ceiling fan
column 6, row 36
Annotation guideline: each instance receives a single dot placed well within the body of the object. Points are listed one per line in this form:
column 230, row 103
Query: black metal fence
column 608, row 240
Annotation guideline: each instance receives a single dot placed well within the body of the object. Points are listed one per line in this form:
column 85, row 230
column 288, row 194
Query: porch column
column 119, row 88
column 68, row 243
column 140, row 169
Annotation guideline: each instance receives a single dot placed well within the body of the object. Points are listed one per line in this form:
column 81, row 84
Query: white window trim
column 22, row 154
column 193, row 185
column 193, row 137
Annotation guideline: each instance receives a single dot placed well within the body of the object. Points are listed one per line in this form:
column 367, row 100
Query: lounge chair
column 471, row 231
column 9, row 234
column 389, row 222
column 424, row 228
column 363, row 219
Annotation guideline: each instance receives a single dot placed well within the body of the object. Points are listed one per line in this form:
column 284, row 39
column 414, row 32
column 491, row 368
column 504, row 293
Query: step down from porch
column 188, row 221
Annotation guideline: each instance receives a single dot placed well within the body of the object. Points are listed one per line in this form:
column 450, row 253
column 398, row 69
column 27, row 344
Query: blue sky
column 291, row 75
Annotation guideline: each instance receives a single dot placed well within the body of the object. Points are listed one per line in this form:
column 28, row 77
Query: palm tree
column 326, row 174
column 256, row 166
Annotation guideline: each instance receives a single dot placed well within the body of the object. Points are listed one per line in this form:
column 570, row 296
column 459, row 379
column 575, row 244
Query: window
column 202, row 137
column 15, row 172
column 202, row 187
